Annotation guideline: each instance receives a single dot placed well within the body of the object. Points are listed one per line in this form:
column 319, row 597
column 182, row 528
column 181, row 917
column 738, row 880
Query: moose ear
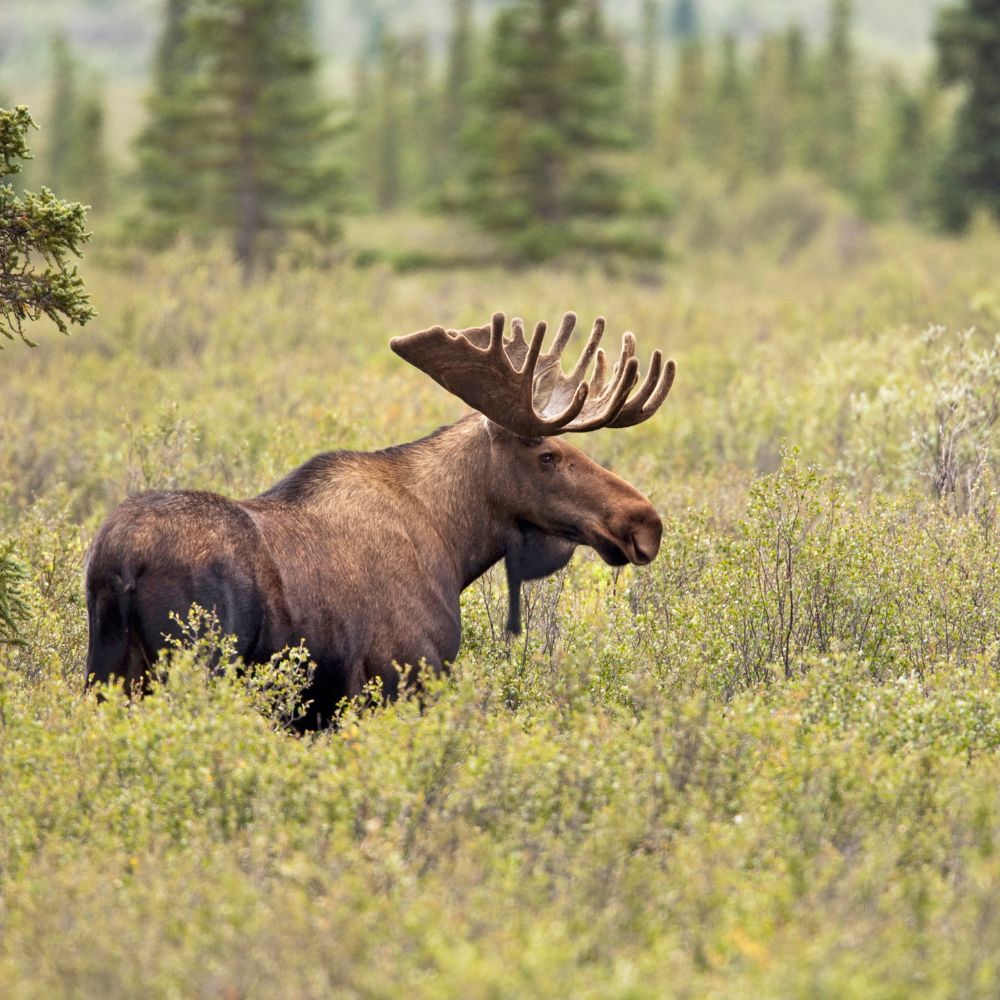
column 530, row 554
column 492, row 429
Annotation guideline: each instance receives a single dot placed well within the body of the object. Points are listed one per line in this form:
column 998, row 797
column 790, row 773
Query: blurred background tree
column 171, row 183
column 552, row 126
column 240, row 132
column 968, row 43
column 549, row 102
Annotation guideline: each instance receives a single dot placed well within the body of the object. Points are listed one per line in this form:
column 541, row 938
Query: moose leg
column 109, row 646
column 162, row 605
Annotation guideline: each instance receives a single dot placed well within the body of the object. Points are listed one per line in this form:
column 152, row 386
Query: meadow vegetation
column 763, row 766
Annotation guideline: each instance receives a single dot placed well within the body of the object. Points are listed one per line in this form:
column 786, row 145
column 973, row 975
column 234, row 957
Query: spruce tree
column 549, row 102
column 728, row 136
column 39, row 234
column 800, row 116
column 771, row 100
column 88, row 162
column 364, row 111
column 421, row 132
column 968, row 44
column 239, row 137
column 167, row 149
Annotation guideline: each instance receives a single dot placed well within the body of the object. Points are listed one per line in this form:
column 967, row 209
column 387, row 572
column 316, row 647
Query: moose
column 363, row 555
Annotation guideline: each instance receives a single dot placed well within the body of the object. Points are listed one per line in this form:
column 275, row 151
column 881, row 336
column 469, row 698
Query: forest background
column 764, row 765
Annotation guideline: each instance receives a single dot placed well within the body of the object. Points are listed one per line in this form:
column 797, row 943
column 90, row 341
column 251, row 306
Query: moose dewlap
column 363, row 555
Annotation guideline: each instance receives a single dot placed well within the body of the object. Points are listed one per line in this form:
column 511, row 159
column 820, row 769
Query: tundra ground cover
column 764, row 766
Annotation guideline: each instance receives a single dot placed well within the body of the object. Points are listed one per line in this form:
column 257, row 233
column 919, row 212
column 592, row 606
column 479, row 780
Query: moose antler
column 513, row 384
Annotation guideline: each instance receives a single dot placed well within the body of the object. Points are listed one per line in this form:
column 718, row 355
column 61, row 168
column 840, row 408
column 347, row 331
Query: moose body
column 363, row 556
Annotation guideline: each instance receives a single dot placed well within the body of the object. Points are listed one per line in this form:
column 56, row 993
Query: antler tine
column 590, row 348
column 605, row 403
column 640, row 409
column 517, row 331
column 496, row 346
column 566, row 328
column 534, row 350
column 649, row 383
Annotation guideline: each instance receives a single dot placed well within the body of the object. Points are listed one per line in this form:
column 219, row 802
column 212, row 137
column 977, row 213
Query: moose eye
column 547, row 458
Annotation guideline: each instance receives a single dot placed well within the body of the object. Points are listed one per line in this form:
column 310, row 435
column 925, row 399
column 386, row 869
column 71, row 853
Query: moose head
column 527, row 401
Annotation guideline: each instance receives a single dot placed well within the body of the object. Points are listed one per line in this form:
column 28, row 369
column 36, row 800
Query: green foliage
column 239, row 136
column 13, row 607
column 967, row 37
column 781, row 106
column 548, row 104
column 37, row 228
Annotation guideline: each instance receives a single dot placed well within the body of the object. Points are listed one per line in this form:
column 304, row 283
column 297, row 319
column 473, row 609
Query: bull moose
column 363, row 555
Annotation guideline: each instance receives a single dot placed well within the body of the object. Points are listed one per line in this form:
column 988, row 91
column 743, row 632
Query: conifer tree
column 800, row 123
column 364, row 111
column 422, row 118
column 768, row 136
column 550, row 101
column 240, row 137
column 39, row 234
column 88, row 162
column 169, row 169
column 968, row 44
column 912, row 145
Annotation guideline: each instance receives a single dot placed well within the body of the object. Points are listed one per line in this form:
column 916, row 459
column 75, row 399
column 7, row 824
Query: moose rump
column 156, row 556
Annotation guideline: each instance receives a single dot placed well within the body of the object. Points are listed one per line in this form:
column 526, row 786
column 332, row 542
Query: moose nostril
column 644, row 549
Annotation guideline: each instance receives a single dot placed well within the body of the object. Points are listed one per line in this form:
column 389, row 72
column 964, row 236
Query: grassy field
column 764, row 766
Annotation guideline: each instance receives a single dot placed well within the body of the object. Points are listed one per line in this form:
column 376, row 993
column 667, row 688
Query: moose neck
column 450, row 475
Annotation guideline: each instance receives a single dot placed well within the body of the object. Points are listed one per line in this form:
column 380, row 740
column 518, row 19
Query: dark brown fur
column 361, row 555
